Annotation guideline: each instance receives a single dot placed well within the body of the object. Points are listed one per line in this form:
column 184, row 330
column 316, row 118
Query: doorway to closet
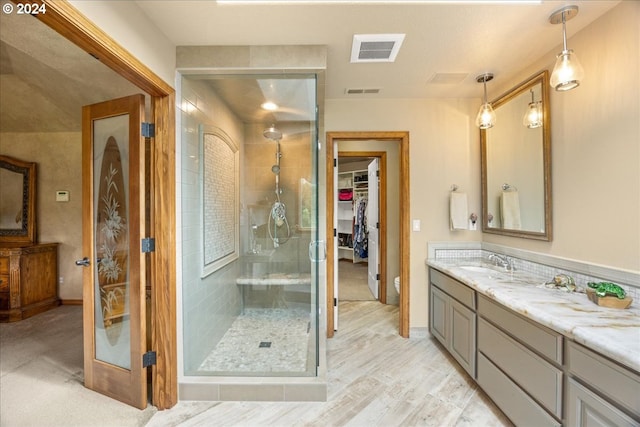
column 358, row 224
column 395, row 147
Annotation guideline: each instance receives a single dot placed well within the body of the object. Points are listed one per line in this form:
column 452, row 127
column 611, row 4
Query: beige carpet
column 352, row 282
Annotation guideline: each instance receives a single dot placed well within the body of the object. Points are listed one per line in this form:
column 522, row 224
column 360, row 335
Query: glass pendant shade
column 567, row 73
column 486, row 116
column 533, row 116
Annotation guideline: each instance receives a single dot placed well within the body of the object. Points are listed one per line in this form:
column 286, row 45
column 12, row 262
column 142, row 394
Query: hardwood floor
column 376, row 378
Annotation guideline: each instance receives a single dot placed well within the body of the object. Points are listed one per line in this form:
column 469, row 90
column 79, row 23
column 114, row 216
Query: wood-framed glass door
column 113, row 224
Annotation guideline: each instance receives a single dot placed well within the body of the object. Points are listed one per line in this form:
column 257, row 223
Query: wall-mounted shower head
column 272, row 133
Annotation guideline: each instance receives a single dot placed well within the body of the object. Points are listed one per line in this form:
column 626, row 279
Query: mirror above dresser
column 28, row 269
column 17, row 200
column 516, row 163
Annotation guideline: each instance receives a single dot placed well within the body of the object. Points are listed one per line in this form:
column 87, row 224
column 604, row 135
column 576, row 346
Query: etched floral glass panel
column 111, row 239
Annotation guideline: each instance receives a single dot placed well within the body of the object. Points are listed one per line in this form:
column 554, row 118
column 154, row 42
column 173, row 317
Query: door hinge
column 148, row 244
column 148, row 130
column 148, row 359
column 335, row 233
column 378, row 276
column 378, row 173
column 377, row 225
column 335, row 302
column 335, row 163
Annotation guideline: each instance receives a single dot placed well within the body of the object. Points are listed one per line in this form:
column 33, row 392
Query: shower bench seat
column 275, row 283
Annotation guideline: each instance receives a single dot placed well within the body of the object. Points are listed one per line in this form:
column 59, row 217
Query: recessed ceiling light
column 269, row 106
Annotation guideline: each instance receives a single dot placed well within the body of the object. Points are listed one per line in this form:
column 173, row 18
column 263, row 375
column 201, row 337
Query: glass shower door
column 250, row 310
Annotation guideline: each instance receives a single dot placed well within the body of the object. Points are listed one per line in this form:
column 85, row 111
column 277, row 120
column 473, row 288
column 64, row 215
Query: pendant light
column 533, row 116
column 567, row 72
column 486, row 116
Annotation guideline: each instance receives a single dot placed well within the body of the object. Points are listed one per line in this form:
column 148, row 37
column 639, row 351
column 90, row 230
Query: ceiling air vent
column 361, row 91
column 376, row 47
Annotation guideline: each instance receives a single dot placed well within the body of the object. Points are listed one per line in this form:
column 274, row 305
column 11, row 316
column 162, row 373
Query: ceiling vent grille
column 361, row 91
column 376, row 47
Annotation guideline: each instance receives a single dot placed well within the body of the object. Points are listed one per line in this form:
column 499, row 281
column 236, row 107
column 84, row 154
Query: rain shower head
column 272, row 133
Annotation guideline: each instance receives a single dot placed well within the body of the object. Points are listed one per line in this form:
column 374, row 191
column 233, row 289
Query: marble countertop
column 611, row 332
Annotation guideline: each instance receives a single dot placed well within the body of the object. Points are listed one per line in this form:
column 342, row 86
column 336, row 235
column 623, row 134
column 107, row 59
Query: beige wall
column 444, row 150
column 130, row 27
column 595, row 139
column 595, row 154
column 58, row 156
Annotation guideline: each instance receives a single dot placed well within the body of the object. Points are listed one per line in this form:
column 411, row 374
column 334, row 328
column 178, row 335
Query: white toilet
column 396, row 283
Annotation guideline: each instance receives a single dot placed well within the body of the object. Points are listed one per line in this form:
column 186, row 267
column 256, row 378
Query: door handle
column 84, row 262
column 314, row 247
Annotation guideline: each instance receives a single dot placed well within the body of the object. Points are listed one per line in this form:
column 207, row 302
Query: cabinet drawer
column 515, row 403
column 615, row 382
column 4, row 283
column 532, row 373
column 544, row 341
column 4, row 265
column 586, row 408
column 459, row 291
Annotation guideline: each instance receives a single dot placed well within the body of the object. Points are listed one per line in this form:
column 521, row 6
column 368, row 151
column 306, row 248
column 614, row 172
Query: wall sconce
column 533, row 116
column 567, row 72
column 486, row 116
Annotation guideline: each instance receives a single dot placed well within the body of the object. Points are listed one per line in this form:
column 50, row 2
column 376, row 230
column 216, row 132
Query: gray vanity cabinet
column 452, row 318
column 600, row 391
column 520, row 365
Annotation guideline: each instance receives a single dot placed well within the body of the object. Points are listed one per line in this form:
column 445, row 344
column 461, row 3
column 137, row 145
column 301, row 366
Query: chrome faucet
column 503, row 261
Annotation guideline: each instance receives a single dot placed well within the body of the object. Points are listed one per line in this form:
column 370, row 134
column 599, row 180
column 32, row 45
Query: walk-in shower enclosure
column 249, row 216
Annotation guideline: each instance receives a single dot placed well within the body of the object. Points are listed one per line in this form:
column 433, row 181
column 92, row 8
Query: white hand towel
column 458, row 212
column 510, row 208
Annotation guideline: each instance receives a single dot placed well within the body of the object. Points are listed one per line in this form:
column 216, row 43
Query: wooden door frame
column 63, row 18
column 382, row 212
column 390, row 136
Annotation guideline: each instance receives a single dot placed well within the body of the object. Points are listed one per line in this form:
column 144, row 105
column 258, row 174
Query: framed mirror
column 17, row 201
column 516, row 163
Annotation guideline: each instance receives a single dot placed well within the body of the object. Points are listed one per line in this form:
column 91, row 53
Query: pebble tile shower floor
column 243, row 348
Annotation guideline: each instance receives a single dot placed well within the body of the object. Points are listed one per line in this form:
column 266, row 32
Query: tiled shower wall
column 258, row 193
column 210, row 304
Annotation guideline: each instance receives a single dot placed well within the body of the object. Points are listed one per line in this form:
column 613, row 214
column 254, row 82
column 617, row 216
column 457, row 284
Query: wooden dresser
column 28, row 280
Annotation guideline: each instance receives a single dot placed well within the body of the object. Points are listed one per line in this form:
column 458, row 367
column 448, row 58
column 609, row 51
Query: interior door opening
column 359, row 257
column 401, row 141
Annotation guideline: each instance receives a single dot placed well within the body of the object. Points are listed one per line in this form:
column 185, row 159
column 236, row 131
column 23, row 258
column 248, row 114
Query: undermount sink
column 478, row 269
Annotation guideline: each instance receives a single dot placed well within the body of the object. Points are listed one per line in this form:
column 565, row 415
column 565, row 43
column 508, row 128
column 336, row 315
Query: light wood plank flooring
column 376, row 378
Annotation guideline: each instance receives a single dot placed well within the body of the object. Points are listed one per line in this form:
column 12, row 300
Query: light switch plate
column 416, row 225
column 62, row 196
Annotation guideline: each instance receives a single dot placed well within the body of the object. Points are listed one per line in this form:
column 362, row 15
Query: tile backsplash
column 536, row 268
